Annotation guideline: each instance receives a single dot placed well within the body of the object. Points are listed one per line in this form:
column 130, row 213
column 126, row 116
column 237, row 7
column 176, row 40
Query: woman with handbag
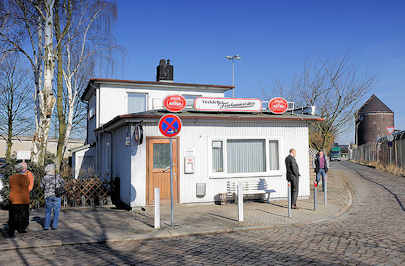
column 53, row 186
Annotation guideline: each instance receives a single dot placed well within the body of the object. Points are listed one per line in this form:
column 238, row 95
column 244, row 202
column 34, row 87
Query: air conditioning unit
column 200, row 190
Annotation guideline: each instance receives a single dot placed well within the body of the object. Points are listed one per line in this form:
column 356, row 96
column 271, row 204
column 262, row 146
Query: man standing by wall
column 293, row 175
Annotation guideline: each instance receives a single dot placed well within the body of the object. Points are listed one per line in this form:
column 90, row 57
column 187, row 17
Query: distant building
column 24, row 143
column 372, row 120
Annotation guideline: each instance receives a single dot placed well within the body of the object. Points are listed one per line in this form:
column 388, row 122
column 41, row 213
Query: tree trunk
column 46, row 99
column 9, row 131
column 59, row 101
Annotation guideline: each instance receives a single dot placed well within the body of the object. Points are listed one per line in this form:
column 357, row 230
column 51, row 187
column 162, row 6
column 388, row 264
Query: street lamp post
column 233, row 58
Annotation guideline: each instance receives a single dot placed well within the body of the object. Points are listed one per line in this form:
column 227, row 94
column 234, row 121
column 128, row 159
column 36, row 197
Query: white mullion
column 225, row 155
column 267, row 159
column 210, row 166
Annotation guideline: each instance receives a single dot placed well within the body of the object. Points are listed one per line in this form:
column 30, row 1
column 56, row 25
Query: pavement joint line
column 159, row 234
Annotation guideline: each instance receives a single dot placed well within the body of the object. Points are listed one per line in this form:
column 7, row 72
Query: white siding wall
column 83, row 162
column 138, row 177
column 196, row 136
column 122, row 163
column 105, row 156
column 114, row 100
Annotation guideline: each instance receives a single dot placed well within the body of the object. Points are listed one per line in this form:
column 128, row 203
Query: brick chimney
column 164, row 71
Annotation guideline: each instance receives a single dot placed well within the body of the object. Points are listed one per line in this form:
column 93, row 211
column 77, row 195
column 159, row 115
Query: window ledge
column 245, row 175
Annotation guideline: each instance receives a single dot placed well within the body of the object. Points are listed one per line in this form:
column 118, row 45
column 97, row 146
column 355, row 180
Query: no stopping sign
column 170, row 125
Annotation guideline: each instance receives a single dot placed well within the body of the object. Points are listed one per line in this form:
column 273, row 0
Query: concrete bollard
column 325, row 191
column 83, row 201
column 289, row 199
column 240, row 202
column 157, row 208
column 315, row 196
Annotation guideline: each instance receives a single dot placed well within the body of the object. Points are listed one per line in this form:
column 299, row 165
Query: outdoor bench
column 251, row 187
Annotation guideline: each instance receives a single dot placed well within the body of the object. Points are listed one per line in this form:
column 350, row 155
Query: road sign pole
column 289, row 199
column 325, row 191
column 315, row 196
column 171, row 185
column 170, row 126
column 390, row 156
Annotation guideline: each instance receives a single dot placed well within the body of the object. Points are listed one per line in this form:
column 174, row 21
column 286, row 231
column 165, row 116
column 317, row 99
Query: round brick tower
column 372, row 120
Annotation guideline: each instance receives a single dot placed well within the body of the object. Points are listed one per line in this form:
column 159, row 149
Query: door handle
column 166, row 169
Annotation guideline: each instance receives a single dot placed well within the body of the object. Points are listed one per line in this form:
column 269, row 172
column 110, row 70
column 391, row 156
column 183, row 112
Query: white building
column 213, row 151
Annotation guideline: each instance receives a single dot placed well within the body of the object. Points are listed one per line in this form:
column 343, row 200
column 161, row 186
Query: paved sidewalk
column 108, row 224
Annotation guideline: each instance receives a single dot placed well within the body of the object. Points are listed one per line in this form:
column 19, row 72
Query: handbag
column 60, row 190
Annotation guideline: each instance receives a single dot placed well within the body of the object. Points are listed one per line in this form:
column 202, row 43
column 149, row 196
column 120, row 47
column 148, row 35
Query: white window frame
column 225, row 173
column 195, row 95
column 135, row 92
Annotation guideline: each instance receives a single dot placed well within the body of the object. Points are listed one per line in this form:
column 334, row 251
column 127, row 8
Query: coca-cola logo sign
column 278, row 105
column 174, row 103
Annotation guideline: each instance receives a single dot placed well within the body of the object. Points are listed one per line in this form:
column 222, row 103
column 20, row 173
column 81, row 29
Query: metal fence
column 385, row 151
column 366, row 152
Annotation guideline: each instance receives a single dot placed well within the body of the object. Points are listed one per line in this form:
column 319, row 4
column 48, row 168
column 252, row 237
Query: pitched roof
column 374, row 105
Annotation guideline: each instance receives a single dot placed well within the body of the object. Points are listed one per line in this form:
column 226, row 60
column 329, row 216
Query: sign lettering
column 227, row 104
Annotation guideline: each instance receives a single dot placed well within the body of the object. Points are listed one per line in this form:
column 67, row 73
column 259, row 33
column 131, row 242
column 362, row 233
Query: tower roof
column 374, row 105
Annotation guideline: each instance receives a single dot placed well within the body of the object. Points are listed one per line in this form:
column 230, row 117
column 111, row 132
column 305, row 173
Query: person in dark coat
column 293, row 175
column 321, row 165
column 19, row 201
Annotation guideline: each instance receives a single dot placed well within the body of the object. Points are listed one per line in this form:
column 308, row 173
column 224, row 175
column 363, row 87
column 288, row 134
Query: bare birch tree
column 336, row 89
column 89, row 36
column 32, row 21
column 15, row 101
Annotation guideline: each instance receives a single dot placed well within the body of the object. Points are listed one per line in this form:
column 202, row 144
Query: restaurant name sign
column 215, row 104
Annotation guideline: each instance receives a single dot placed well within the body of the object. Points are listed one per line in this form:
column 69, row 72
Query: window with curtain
column 136, row 102
column 273, row 155
column 246, row 155
column 217, row 156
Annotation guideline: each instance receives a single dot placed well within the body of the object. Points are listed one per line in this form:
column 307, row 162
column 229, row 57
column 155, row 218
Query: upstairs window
column 136, row 102
column 190, row 100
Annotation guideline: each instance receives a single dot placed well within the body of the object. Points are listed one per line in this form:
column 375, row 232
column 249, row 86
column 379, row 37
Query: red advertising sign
column 174, row 103
column 170, row 125
column 278, row 105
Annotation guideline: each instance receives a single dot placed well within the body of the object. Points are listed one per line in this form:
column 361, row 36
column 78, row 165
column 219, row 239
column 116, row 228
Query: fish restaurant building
column 220, row 142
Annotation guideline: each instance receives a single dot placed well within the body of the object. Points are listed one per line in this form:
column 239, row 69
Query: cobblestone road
column 371, row 232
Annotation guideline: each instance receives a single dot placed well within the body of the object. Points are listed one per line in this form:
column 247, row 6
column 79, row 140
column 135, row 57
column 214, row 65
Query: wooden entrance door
column 158, row 170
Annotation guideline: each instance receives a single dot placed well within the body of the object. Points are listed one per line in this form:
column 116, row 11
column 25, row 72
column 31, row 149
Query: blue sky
column 273, row 38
